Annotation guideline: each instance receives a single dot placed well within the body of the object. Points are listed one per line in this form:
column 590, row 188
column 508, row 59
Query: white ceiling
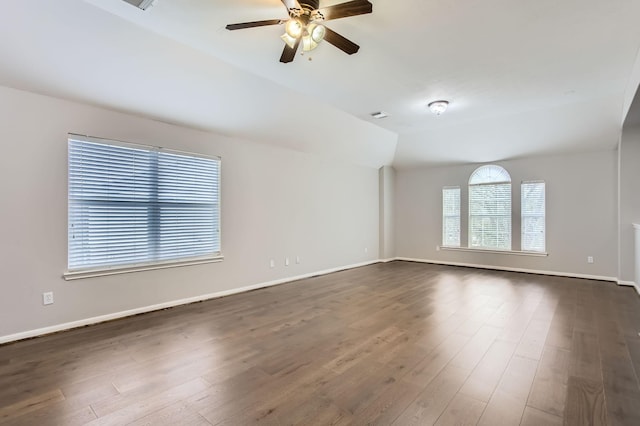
column 523, row 77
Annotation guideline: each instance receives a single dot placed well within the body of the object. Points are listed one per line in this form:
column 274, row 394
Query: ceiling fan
column 305, row 25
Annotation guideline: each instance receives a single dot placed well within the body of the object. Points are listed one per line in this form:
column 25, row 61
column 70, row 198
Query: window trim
column 115, row 270
column 74, row 274
column 493, row 251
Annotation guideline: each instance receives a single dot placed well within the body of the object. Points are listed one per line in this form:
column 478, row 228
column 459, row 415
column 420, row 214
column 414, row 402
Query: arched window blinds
column 490, row 208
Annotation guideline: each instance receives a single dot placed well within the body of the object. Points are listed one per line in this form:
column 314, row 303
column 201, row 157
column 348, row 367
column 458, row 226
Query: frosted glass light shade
column 316, row 32
column 291, row 41
column 293, row 28
column 438, row 107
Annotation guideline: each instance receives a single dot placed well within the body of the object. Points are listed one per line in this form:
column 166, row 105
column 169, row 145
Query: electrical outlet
column 297, row 259
column 47, row 298
column 286, row 261
column 589, row 259
column 272, row 263
column 366, row 250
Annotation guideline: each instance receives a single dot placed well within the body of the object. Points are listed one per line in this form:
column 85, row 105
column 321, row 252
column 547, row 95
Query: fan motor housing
column 311, row 4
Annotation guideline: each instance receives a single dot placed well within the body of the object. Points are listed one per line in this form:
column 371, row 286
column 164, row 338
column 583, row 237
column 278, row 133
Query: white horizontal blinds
column 490, row 208
column 110, row 188
column 189, row 206
column 451, row 217
column 533, row 216
column 130, row 205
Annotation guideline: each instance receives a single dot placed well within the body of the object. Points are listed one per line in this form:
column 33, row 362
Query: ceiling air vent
column 141, row 4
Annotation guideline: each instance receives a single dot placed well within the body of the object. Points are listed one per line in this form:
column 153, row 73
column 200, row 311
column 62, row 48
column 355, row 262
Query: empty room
column 320, row 212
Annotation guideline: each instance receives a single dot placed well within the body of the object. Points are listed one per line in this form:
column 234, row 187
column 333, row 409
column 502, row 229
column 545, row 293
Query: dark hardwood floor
column 389, row 344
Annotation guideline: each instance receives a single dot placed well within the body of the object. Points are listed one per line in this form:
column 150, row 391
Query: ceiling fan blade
column 346, row 45
column 343, row 10
column 289, row 53
column 244, row 25
column 291, row 4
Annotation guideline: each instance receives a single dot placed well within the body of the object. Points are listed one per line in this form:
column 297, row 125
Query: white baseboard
column 505, row 268
column 122, row 314
column 630, row 284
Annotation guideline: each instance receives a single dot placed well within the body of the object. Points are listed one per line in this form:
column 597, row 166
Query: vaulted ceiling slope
column 632, row 99
column 75, row 50
column 523, row 78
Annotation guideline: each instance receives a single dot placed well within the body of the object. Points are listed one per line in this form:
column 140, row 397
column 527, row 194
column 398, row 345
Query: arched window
column 490, row 208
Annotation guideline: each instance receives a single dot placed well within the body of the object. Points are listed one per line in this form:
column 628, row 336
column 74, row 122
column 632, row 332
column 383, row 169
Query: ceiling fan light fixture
column 304, row 25
column 291, row 41
column 438, row 107
column 308, row 43
column 313, row 34
column 316, row 32
column 293, row 28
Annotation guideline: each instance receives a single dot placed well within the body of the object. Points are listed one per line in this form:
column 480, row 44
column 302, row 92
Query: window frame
column 101, row 270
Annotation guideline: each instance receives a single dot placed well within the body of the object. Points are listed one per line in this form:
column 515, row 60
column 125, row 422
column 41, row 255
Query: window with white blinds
column 533, row 216
column 135, row 205
column 490, row 208
column 451, row 216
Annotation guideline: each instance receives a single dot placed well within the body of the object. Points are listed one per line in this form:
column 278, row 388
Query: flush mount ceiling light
column 438, row 107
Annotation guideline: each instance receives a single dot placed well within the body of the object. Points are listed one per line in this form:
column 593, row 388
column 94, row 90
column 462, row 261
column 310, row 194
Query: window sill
column 91, row 273
column 511, row 252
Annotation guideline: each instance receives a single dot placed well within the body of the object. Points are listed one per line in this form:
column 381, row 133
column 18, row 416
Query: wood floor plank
column 485, row 377
column 549, row 388
column 534, row 417
column 621, row 386
column 532, row 343
column 427, row 369
column 585, row 403
column 560, row 332
column 461, row 411
column 28, row 405
column 356, row 388
column 474, row 350
column 434, row 399
column 508, row 402
column 585, row 356
column 58, row 414
column 177, row 413
column 376, row 342
column 315, row 411
column 389, row 405
column 395, row 343
column 123, row 410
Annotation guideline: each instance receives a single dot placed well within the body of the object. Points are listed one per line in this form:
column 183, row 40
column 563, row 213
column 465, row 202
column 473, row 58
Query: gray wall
column 386, row 185
column 581, row 195
column 629, row 200
column 275, row 203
